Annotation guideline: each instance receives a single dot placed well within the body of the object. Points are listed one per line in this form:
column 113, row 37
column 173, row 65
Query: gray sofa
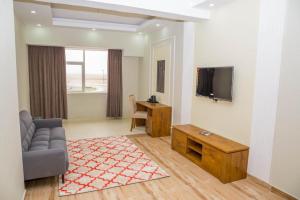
column 43, row 146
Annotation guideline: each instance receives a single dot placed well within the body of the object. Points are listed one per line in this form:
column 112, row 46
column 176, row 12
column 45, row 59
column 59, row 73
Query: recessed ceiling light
column 211, row 5
column 93, row 29
column 33, row 12
column 157, row 25
column 39, row 25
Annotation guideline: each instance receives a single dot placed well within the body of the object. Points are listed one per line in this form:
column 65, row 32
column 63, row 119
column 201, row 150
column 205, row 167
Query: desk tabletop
column 151, row 105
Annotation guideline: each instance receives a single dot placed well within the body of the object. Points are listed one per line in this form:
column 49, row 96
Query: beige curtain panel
column 47, row 80
column 115, row 88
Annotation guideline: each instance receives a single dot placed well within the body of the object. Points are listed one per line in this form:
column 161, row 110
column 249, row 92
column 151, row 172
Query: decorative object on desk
column 160, row 79
column 152, row 99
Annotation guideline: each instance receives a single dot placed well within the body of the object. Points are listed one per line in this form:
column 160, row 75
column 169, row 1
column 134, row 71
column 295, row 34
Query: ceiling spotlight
column 39, row 25
column 211, row 5
column 93, row 29
column 33, row 12
column 157, row 25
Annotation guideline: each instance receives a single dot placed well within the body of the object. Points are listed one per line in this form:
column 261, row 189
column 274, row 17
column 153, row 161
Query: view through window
column 86, row 70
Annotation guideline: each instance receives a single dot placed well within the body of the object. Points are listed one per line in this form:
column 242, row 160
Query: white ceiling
column 43, row 13
column 108, row 16
column 70, row 12
column 73, row 16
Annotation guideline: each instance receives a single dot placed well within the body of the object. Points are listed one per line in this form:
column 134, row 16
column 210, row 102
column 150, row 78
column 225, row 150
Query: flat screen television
column 215, row 83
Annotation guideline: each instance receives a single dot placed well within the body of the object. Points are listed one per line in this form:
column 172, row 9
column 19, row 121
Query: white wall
column 162, row 51
column 285, row 173
column 132, row 44
column 87, row 105
column 22, row 67
column 269, row 42
column 11, row 168
column 229, row 38
column 266, row 65
column 144, row 72
column 187, row 72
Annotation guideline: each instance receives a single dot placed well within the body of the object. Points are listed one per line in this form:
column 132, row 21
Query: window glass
column 74, row 78
column 95, row 71
column 74, row 55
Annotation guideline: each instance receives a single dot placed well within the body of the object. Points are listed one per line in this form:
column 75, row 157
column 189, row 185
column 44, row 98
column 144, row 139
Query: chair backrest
column 132, row 103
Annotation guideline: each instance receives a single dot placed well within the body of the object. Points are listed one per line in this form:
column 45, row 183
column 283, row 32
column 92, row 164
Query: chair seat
column 140, row 115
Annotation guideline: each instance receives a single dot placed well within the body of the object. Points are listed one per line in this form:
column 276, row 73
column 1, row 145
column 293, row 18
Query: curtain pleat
column 115, row 88
column 47, row 81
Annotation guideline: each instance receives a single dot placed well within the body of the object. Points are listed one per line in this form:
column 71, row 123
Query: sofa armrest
column 44, row 163
column 48, row 123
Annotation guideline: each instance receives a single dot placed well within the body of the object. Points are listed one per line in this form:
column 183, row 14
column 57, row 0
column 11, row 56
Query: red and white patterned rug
column 101, row 163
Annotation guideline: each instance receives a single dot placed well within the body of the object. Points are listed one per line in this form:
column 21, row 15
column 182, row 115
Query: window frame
column 82, row 63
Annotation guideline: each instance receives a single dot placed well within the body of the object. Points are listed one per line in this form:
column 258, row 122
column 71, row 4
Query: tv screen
column 215, row 83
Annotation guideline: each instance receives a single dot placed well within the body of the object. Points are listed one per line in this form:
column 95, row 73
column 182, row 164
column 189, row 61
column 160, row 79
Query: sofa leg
column 63, row 178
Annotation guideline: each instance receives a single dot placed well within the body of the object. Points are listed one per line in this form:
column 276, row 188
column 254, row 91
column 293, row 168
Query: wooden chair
column 134, row 113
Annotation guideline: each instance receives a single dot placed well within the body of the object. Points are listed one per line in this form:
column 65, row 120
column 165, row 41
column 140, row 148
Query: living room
column 106, row 136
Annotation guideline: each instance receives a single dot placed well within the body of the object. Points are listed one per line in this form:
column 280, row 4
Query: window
column 86, row 70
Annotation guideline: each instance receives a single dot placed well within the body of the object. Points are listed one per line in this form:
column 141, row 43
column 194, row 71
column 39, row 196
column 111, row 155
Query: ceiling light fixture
column 140, row 33
column 33, row 12
column 157, row 25
column 39, row 25
column 211, row 5
column 93, row 29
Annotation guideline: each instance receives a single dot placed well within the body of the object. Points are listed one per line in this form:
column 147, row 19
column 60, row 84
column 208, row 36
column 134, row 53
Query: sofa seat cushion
column 42, row 134
column 57, row 144
column 46, row 138
column 38, row 145
column 58, row 133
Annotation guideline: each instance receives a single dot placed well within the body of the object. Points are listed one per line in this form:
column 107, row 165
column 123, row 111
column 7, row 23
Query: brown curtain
column 47, row 81
column 115, row 90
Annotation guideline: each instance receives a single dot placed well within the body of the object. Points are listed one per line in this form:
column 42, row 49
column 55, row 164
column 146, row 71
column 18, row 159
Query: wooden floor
column 186, row 181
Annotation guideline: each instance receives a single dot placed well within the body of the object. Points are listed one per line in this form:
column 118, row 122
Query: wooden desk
column 225, row 159
column 159, row 118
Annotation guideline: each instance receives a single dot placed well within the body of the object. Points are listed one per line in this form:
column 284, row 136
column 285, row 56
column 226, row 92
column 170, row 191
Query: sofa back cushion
column 27, row 128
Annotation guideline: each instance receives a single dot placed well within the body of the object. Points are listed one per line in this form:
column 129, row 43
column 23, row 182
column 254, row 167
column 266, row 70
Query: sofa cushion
column 46, row 138
column 58, row 133
column 27, row 129
column 25, row 138
column 57, row 144
column 41, row 135
column 39, row 145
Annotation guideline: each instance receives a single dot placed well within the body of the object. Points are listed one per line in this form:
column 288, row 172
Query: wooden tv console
column 225, row 159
